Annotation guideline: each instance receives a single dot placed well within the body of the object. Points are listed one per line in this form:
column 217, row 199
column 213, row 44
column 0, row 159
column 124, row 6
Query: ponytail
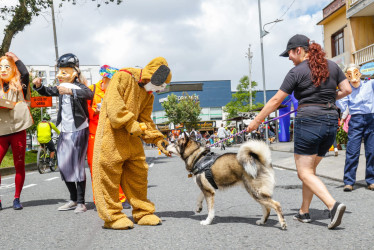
column 317, row 64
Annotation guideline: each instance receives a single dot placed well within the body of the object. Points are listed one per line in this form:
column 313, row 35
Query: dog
column 251, row 167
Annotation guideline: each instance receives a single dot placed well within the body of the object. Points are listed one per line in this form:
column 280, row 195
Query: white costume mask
column 149, row 87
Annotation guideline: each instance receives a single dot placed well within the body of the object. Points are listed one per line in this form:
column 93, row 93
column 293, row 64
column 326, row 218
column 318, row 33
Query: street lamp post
column 263, row 33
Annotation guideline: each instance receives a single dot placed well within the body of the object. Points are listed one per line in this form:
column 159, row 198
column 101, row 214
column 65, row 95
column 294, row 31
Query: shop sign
column 41, row 101
column 206, row 125
column 163, row 127
column 367, row 69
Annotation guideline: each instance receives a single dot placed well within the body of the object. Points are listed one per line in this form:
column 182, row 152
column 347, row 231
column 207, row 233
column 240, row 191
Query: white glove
column 98, row 108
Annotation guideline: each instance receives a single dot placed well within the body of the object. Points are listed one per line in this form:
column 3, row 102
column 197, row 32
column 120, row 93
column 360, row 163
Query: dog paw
column 198, row 209
column 204, row 222
column 260, row 222
column 284, row 226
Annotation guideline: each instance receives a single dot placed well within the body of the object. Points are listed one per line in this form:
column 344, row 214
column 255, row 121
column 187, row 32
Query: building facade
column 213, row 96
column 348, row 27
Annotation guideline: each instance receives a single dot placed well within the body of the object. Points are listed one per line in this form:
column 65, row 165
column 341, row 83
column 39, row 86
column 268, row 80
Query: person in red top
column 94, row 107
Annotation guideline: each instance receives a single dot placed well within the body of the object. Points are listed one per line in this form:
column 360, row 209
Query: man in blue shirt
column 361, row 108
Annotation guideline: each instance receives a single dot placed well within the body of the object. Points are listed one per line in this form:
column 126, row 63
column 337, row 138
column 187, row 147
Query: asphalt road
column 40, row 226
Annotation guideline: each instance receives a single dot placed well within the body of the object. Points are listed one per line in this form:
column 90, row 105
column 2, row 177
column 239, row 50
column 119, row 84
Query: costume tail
column 253, row 153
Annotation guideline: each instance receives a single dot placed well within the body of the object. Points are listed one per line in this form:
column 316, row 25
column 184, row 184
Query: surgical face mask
column 149, row 87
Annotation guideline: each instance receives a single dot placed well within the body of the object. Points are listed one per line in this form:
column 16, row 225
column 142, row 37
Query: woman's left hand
column 12, row 55
column 64, row 90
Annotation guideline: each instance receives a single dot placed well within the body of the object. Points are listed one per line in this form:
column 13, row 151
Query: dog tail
column 253, row 152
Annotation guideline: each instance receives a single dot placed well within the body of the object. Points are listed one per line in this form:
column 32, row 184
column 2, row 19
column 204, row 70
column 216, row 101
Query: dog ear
column 186, row 138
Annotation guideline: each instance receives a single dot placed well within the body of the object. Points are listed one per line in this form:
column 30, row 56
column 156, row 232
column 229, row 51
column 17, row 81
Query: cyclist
column 44, row 132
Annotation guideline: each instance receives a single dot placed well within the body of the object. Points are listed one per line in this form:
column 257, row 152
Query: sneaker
column 81, row 208
column 336, row 152
column 68, row 206
column 336, row 214
column 348, row 188
column 52, row 162
column 305, row 218
column 126, row 204
column 17, row 204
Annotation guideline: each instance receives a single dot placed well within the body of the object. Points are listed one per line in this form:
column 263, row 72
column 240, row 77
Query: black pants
column 77, row 191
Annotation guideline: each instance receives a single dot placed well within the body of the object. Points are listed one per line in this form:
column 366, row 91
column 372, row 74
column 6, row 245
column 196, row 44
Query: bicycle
column 43, row 160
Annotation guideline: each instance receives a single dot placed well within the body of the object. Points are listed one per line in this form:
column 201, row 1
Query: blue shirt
column 360, row 101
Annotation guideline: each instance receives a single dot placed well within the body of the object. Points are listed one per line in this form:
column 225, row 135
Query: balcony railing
column 364, row 55
column 352, row 2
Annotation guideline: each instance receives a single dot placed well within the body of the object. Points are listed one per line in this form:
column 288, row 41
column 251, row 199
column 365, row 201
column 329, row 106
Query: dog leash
column 244, row 130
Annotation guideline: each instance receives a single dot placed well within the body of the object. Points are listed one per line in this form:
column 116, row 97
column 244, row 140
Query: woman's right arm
column 43, row 90
column 273, row 103
column 344, row 89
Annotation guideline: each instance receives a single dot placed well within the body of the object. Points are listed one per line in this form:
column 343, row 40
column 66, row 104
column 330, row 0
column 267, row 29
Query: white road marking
column 52, row 178
column 31, row 185
column 152, row 164
column 30, row 173
column 7, row 178
column 7, row 186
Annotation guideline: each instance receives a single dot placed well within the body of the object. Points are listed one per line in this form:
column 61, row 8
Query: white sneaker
column 68, row 206
column 81, row 208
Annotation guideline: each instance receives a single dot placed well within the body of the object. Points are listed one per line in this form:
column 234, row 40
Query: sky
column 200, row 39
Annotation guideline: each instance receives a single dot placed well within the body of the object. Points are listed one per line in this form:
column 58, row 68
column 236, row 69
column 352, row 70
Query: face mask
column 6, row 71
column 66, row 75
column 149, row 87
column 353, row 75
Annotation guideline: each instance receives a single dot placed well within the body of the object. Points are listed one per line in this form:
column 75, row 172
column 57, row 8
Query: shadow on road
column 217, row 219
column 36, row 203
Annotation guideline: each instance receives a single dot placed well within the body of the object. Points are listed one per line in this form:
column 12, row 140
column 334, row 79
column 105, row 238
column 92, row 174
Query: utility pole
column 54, row 30
column 56, row 47
column 262, row 34
column 250, row 55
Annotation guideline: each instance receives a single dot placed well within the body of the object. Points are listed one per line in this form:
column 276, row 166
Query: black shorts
column 314, row 135
column 50, row 145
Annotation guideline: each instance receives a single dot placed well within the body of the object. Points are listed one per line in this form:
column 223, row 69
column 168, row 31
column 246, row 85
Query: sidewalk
column 331, row 166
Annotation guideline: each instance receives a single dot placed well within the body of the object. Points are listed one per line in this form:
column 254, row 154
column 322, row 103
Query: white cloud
column 202, row 40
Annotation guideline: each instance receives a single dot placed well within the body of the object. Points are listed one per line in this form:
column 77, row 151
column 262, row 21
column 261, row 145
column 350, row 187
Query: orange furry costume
column 118, row 153
column 94, row 119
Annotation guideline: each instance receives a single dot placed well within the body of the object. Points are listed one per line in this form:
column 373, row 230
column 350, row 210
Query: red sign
column 41, row 101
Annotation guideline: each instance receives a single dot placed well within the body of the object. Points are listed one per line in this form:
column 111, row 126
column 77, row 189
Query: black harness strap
column 209, row 177
column 204, row 164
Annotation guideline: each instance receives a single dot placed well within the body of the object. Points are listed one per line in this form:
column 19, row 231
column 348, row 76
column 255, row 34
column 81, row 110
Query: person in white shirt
column 222, row 133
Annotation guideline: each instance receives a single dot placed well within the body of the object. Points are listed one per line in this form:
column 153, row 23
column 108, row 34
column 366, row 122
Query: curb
column 12, row 170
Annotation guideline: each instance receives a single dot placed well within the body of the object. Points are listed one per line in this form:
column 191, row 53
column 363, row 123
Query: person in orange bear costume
column 94, row 107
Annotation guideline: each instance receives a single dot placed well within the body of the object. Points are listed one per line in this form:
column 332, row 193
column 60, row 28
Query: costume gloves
column 162, row 144
column 135, row 128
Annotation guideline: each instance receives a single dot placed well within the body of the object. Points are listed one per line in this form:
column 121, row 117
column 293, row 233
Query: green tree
column 20, row 15
column 185, row 109
column 35, row 112
column 240, row 101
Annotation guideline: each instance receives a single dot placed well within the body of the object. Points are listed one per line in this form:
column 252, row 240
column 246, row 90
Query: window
column 337, row 43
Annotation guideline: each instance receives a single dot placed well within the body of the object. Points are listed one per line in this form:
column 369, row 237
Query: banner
column 41, row 101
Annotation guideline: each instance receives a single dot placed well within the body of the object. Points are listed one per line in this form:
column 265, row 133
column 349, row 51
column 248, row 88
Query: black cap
column 294, row 42
column 68, row 61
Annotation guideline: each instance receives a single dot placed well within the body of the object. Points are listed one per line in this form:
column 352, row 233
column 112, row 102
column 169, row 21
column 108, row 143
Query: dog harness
column 204, row 165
